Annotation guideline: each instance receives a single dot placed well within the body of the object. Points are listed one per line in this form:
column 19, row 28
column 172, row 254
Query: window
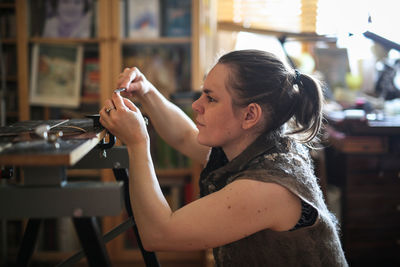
column 312, row 16
column 341, row 17
column 275, row 15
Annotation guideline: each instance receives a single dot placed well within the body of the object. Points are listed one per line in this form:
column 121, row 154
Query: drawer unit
column 372, row 210
column 370, row 184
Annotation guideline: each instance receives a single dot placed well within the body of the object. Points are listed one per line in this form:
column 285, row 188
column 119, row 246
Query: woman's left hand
column 124, row 120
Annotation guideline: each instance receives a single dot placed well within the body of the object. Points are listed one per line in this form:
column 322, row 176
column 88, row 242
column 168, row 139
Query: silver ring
column 109, row 109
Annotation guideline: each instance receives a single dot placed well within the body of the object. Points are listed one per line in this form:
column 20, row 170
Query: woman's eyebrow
column 207, row 91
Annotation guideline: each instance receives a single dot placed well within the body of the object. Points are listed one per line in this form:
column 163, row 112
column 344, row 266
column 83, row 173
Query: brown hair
column 284, row 94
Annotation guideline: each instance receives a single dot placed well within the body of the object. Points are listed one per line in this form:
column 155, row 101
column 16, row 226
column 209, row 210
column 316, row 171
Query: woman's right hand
column 134, row 81
column 124, row 120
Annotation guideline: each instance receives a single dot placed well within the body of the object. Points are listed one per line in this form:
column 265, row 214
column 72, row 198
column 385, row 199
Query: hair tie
column 297, row 77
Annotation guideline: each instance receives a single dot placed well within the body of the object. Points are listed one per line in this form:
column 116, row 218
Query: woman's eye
column 210, row 99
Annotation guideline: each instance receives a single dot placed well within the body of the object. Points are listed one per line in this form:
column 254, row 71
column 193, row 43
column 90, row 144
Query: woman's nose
column 197, row 107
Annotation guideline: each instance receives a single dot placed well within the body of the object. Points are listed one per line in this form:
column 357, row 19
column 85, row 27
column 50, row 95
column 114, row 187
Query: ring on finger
column 109, row 109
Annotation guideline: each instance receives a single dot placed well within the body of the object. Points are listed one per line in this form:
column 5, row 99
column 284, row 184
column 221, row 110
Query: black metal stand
column 150, row 258
column 28, row 242
column 89, row 236
column 92, row 242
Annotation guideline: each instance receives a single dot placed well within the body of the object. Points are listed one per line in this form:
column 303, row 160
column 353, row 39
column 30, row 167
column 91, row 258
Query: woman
column 261, row 204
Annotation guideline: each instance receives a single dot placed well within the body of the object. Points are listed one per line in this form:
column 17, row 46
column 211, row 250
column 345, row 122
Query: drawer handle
column 398, row 242
column 398, row 175
column 398, row 207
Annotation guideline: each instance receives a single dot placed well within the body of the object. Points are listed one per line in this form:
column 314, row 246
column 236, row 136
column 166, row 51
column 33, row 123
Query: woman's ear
column 252, row 116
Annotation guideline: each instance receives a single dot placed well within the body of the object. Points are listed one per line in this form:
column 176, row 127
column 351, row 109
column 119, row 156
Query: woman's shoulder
column 288, row 164
column 288, row 153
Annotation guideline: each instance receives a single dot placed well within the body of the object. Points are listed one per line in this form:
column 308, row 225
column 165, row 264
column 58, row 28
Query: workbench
column 45, row 191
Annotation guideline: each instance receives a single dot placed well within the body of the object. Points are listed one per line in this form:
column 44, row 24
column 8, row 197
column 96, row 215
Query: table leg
column 92, row 243
column 28, row 242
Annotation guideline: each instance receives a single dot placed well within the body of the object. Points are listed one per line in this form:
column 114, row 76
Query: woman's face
column 216, row 120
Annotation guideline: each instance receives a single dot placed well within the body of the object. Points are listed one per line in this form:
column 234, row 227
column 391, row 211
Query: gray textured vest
column 281, row 160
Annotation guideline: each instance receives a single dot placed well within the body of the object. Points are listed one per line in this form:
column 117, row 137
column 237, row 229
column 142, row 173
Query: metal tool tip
column 120, row 90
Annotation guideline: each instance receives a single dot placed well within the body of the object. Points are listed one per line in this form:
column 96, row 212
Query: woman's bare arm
column 170, row 122
column 173, row 125
column 240, row 209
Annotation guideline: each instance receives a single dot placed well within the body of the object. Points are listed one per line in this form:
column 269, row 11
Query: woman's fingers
column 127, row 78
column 129, row 104
column 108, row 104
column 118, row 101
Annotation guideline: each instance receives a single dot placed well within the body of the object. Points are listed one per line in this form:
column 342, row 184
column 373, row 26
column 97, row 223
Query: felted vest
column 276, row 159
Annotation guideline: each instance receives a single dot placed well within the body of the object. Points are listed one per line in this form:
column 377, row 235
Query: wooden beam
column 104, row 32
column 22, row 60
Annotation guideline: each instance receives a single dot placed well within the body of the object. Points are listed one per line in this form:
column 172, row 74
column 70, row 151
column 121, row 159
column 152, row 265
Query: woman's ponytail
column 307, row 116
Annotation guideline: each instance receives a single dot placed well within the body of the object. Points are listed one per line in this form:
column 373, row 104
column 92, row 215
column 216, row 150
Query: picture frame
column 143, row 18
column 62, row 19
column 68, row 20
column 177, row 20
column 56, row 75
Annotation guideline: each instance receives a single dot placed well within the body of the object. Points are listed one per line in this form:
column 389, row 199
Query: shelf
column 89, row 100
column 174, row 172
column 7, row 5
column 41, row 40
column 9, row 41
column 160, row 40
column 11, row 78
column 13, row 114
column 84, row 173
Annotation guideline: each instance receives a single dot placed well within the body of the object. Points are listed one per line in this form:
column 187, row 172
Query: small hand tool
column 120, row 90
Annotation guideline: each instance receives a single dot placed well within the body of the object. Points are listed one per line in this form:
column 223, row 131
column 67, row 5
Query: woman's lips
column 199, row 124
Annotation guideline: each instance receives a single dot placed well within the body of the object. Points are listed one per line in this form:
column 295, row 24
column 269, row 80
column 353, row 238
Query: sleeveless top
column 274, row 158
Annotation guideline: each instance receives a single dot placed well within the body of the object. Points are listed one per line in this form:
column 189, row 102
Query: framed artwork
column 143, row 18
column 62, row 19
column 56, row 75
column 177, row 18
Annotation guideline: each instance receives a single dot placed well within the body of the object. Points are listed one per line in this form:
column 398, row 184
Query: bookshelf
column 111, row 48
column 126, row 52
column 11, row 230
column 9, row 51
